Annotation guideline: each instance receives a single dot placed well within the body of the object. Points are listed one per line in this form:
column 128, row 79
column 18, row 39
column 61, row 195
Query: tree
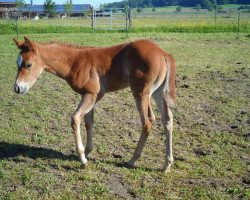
column 68, row 7
column 49, row 7
column 139, row 10
column 87, row 11
column 198, row 7
column 20, row 3
column 115, row 10
column 220, row 8
column 221, row 2
column 178, row 9
column 161, row 3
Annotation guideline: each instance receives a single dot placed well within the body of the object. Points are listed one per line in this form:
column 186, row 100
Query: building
column 6, row 8
column 30, row 11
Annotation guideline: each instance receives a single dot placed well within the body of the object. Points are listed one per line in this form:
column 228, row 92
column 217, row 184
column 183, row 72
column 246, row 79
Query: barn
column 6, row 8
column 30, row 11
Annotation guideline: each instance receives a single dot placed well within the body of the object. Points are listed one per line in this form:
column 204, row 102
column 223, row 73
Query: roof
column 77, row 8
column 7, row 1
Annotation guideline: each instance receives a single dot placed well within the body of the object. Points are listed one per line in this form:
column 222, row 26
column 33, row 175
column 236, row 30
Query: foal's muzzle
column 20, row 88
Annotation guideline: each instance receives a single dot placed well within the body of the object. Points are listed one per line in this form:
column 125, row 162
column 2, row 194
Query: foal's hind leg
column 150, row 112
column 167, row 121
column 147, row 118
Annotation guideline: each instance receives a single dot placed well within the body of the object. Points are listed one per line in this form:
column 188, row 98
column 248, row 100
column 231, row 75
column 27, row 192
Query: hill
column 162, row 3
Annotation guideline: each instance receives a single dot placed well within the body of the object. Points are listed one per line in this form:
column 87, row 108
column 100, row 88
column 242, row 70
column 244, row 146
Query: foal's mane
column 75, row 46
column 66, row 45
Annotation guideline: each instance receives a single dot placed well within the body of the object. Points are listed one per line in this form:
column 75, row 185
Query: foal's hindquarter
column 141, row 65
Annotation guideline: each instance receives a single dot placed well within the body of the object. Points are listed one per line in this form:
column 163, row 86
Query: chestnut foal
column 91, row 72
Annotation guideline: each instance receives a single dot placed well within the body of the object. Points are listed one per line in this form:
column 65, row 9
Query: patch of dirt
column 119, row 188
column 204, row 98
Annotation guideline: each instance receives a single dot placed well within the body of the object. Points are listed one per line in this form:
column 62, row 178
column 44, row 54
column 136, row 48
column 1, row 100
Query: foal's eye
column 28, row 65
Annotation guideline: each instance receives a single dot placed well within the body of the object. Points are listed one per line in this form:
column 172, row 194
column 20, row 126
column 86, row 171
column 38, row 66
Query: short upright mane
column 65, row 45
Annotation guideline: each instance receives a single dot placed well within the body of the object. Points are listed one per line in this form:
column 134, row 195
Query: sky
column 94, row 3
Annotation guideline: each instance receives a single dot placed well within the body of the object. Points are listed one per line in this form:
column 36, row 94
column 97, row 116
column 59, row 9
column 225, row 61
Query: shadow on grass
column 122, row 164
column 10, row 150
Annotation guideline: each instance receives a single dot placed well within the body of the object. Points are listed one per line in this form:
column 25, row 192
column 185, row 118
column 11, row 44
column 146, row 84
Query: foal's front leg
column 86, row 105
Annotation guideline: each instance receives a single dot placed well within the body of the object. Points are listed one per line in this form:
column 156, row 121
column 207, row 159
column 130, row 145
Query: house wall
column 6, row 9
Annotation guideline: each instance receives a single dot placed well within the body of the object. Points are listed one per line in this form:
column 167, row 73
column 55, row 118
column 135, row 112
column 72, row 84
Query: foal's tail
column 170, row 79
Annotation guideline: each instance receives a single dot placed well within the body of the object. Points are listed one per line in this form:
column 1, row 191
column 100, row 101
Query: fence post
column 16, row 27
column 111, row 18
column 127, row 21
column 93, row 22
column 129, row 18
column 238, row 23
column 215, row 16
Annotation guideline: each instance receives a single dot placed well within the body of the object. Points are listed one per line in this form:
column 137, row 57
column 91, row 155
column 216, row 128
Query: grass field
column 163, row 19
column 211, row 127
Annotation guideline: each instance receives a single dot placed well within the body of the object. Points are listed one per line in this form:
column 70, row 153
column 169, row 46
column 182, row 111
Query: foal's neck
column 57, row 59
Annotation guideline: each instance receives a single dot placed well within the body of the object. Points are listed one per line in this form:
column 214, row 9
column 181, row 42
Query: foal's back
column 136, row 64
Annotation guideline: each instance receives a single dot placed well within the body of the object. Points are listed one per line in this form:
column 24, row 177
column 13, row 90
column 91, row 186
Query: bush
column 198, row 7
column 139, row 10
column 178, row 9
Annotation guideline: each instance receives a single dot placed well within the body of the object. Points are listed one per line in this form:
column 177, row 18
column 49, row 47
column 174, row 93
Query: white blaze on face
column 19, row 60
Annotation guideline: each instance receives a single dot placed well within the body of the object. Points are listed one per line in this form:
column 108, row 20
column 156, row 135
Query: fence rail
column 122, row 20
column 110, row 19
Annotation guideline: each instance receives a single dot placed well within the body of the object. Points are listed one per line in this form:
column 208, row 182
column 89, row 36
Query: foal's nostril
column 17, row 89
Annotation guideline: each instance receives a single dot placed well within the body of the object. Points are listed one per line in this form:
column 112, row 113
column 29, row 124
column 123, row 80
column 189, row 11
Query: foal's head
column 29, row 65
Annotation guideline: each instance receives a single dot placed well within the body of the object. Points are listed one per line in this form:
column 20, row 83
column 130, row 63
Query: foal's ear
column 18, row 43
column 28, row 43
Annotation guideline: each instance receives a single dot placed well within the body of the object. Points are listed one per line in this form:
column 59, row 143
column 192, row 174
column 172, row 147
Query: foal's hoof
column 129, row 165
column 166, row 168
column 83, row 161
column 83, row 166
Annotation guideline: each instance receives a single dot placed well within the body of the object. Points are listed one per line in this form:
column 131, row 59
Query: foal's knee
column 74, row 121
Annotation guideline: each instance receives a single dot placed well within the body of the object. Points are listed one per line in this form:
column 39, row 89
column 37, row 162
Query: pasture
column 210, row 138
column 164, row 19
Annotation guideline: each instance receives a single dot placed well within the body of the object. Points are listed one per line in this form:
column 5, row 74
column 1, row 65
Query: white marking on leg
column 167, row 122
column 84, row 107
column 169, row 130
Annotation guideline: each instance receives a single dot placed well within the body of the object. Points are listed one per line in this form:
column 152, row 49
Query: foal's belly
column 114, row 85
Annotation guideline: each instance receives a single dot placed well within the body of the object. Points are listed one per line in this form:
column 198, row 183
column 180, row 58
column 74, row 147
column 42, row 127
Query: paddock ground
column 211, row 127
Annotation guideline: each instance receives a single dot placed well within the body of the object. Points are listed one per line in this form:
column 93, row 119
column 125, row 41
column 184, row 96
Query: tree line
column 161, row 3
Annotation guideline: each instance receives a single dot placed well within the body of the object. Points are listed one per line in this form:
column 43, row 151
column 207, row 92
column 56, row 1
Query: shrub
column 139, row 10
column 178, row 9
column 198, row 7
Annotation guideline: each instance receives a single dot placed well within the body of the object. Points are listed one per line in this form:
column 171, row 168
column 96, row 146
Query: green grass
column 211, row 127
column 139, row 25
column 188, row 21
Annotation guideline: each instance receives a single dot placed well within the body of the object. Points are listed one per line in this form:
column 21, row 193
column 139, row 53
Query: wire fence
column 122, row 19
column 110, row 19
